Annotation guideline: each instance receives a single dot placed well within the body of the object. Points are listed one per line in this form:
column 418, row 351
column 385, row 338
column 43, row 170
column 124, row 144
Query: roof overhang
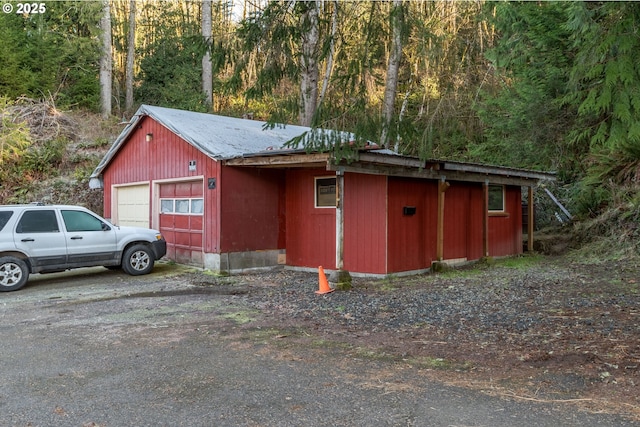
column 383, row 162
column 282, row 159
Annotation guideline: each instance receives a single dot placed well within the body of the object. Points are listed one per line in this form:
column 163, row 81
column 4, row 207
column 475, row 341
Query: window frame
column 72, row 212
column 51, row 212
column 502, row 188
column 4, row 218
column 189, row 201
column 316, row 186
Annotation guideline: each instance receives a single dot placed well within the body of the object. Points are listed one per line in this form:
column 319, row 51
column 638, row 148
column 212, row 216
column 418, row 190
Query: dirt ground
column 99, row 348
column 541, row 329
column 531, row 341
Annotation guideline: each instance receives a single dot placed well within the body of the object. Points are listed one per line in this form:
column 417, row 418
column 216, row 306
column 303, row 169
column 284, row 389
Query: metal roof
column 233, row 139
column 219, row 137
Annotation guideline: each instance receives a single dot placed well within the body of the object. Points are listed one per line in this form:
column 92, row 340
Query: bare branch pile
column 45, row 121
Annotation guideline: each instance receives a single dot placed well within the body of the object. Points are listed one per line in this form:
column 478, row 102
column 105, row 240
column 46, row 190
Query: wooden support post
column 442, row 187
column 341, row 278
column 339, row 220
column 530, row 221
column 485, row 219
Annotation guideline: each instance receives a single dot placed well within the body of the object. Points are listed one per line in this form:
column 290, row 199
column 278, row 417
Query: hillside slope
column 64, row 149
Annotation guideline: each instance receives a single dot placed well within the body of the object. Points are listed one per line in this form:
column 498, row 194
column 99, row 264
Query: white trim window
column 325, row 192
column 496, row 198
column 182, row 206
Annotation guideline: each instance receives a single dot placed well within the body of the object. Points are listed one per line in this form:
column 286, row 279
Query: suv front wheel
column 13, row 273
column 138, row 260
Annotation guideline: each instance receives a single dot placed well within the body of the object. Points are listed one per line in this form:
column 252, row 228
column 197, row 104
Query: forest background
column 551, row 86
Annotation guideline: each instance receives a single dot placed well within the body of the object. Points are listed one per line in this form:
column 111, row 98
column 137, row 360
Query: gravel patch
column 532, row 327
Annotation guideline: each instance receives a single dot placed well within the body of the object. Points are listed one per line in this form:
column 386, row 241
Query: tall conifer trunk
column 131, row 49
column 106, row 61
column 207, row 67
column 393, row 68
column 309, row 64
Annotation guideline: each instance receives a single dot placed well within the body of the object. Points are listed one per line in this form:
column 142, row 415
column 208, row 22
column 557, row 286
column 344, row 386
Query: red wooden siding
column 411, row 238
column 463, row 221
column 252, row 210
column 505, row 231
column 456, row 221
column 311, row 232
column 167, row 156
column 475, row 246
column 365, row 229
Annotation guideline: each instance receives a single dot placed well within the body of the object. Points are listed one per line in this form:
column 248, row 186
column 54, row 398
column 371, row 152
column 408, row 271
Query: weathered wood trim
column 391, row 170
column 496, row 170
column 391, row 160
column 485, row 218
column 288, row 160
column 530, row 219
column 339, row 220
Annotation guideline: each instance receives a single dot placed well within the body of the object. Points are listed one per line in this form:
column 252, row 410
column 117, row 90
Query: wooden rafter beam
column 392, row 170
column 284, row 160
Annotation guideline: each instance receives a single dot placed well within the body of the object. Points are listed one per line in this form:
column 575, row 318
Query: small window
column 496, row 198
column 76, row 221
column 182, row 206
column 4, row 218
column 40, row 221
column 197, row 206
column 166, row 206
column 326, row 193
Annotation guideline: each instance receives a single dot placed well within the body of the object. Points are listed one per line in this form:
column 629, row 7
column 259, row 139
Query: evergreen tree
column 55, row 53
column 605, row 89
column 525, row 121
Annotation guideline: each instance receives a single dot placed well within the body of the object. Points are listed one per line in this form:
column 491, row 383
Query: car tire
column 14, row 273
column 138, row 260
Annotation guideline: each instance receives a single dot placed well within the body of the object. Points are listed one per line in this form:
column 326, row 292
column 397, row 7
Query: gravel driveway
column 177, row 348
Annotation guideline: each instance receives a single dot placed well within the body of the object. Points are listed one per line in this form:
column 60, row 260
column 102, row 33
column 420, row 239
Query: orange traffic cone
column 323, row 283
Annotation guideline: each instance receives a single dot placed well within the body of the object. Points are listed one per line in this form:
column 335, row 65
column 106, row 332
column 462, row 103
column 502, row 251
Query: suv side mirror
column 105, row 227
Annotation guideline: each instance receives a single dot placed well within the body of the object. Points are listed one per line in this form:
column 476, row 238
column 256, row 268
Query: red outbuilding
column 228, row 197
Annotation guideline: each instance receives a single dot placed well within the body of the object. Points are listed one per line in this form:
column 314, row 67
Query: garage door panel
column 182, row 221
column 167, row 190
column 196, row 222
column 197, row 189
column 166, row 221
column 183, row 189
column 196, row 240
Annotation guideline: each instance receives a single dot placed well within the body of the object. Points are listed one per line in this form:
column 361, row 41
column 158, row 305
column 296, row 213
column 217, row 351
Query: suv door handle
column 28, row 239
column 76, row 238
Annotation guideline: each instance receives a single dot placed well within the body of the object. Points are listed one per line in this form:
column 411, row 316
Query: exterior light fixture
column 148, row 137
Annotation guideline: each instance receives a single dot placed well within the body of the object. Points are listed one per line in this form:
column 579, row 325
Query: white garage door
column 132, row 205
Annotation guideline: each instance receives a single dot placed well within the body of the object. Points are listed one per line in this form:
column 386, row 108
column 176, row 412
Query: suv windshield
column 4, row 218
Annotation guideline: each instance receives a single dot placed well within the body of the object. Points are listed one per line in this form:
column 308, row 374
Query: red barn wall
column 411, row 239
column 475, row 246
column 463, row 221
column 310, row 231
column 456, row 221
column 167, row 156
column 505, row 230
column 365, row 223
column 251, row 209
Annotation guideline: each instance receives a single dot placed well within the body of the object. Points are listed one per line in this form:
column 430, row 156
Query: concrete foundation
column 238, row 262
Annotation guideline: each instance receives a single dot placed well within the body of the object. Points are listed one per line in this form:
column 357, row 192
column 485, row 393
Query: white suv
column 43, row 239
